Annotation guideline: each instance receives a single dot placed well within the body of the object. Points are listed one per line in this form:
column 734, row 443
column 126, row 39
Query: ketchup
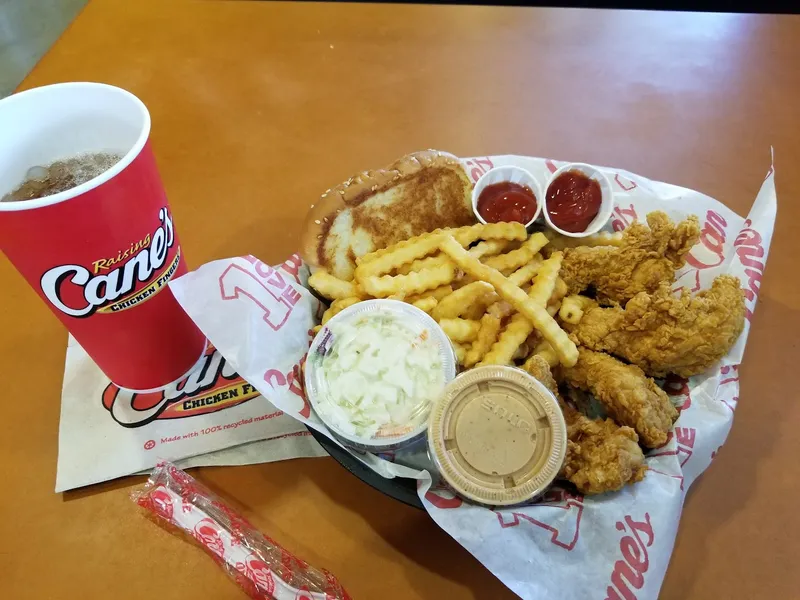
column 573, row 201
column 507, row 201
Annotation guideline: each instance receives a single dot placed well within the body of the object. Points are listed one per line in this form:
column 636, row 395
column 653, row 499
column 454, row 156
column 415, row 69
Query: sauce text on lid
column 573, row 201
column 497, row 435
column 507, row 201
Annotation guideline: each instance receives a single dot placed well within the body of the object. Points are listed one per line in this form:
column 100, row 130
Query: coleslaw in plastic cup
column 374, row 371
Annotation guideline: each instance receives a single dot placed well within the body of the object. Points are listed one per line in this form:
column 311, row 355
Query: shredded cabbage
column 380, row 376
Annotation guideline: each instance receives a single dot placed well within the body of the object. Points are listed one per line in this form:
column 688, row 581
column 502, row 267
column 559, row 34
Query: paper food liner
column 614, row 545
column 211, row 417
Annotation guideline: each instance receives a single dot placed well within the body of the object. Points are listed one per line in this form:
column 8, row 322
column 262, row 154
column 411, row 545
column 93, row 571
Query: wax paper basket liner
column 614, row 545
column 263, row 569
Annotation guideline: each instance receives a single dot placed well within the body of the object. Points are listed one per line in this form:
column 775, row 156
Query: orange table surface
column 258, row 107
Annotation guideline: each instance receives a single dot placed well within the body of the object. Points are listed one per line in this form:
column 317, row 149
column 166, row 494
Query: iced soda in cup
column 84, row 218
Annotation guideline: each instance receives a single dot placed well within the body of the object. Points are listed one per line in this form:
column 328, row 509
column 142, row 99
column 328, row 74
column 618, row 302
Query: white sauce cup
column 606, row 199
column 513, row 174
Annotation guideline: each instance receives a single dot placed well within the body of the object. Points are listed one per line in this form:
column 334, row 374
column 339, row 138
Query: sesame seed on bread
column 420, row 192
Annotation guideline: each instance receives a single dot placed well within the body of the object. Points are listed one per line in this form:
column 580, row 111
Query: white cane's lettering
column 110, row 290
column 165, row 218
column 137, row 268
column 630, row 571
column 55, row 278
column 98, row 291
column 145, row 293
column 158, row 252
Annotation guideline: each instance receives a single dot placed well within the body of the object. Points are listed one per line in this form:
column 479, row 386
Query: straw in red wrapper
column 263, row 569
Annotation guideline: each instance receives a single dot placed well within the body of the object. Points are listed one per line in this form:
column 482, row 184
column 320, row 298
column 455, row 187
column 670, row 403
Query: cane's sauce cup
column 497, row 436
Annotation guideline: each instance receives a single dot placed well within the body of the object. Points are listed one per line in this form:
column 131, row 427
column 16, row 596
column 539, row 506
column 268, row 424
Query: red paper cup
column 100, row 254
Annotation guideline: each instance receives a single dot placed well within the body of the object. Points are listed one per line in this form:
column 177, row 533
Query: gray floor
column 27, row 30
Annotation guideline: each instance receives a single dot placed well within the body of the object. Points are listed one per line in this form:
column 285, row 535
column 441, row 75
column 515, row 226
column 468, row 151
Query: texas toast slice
column 420, row 192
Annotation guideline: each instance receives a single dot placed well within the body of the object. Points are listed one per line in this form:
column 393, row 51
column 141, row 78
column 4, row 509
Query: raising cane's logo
column 710, row 252
column 629, row 572
column 109, row 286
column 213, row 386
column 749, row 248
column 208, row 533
column 258, row 572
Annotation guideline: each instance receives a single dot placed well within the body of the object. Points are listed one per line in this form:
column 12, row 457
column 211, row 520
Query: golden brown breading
column 540, row 369
column 644, row 258
column 628, row 395
column 665, row 334
column 601, row 455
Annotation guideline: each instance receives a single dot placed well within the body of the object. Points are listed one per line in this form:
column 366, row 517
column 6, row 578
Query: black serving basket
column 399, row 488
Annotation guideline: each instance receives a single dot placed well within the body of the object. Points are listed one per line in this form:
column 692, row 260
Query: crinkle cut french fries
column 487, row 285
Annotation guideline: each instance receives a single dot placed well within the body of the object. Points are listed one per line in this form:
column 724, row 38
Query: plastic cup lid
column 321, row 390
column 497, row 435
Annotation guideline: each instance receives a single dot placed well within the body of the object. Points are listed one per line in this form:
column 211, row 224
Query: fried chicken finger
column 601, row 455
column 628, row 395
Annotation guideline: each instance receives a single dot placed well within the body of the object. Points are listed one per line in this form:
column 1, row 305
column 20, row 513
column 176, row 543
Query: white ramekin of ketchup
column 578, row 200
column 505, row 194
